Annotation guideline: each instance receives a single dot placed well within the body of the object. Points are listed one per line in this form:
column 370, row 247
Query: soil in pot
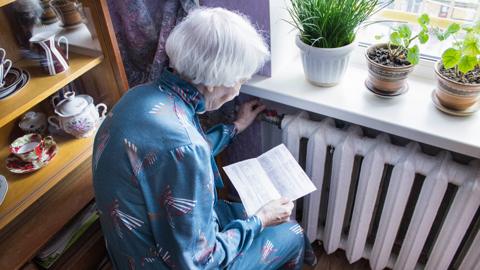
column 472, row 77
column 387, row 76
column 457, row 93
column 382, row 56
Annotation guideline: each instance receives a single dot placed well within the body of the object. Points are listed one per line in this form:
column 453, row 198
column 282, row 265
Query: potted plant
column 327, row 33
column 390, row 63
column 458, row 71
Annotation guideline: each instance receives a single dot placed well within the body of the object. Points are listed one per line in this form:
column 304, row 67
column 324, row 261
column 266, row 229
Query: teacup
column 33, row 122
column 5, row 67
column 30, row 147
column 3, row 54
column 4, row 62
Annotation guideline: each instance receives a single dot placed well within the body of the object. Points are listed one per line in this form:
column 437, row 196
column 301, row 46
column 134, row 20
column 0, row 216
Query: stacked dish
column 14, row 80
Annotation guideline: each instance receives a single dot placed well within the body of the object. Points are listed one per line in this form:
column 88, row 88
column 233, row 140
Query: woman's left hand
column 247, row 114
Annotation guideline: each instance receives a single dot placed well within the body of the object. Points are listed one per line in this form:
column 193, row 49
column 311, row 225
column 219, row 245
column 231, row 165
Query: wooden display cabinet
column 39, row 204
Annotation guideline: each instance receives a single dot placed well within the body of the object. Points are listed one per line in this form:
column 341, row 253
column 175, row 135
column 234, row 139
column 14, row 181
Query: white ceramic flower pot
column 324, row 66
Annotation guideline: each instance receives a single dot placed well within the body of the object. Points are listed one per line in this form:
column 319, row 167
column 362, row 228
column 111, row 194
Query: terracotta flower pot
column 386, row 79
column 454, row 95
column 67, row 11
column 48, row 16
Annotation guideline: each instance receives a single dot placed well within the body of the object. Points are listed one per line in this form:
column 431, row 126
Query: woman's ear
column 210, row 88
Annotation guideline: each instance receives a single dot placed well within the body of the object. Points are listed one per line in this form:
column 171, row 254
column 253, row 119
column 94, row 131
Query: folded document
column 272, row 175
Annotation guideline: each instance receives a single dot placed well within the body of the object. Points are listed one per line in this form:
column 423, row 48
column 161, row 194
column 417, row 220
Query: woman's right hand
column 275, row 212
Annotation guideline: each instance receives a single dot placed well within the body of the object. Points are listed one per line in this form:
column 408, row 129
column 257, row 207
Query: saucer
column 3, row 188
column 23, row 80
column 12, row 79
column 383, row 94
column 16, row 165
column 467, row 112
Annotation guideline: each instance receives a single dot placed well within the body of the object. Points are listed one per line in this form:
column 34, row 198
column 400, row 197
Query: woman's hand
column 247, row 114
column 275, row 212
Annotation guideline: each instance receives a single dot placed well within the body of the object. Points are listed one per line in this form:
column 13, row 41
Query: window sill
column 412, row 116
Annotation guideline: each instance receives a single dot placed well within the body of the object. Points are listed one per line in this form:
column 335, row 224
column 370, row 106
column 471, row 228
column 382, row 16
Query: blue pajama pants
column 282, row 246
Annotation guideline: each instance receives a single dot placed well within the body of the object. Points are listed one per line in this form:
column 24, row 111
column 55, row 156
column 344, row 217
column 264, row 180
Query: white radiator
column 349, row 216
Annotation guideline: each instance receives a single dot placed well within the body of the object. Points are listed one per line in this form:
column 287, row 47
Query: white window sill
column 412, row 115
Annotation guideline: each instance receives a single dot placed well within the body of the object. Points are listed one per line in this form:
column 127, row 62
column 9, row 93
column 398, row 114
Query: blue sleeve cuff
column 255, row 223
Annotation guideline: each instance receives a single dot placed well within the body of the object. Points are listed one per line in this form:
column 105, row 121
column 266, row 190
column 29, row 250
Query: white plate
column 3, row 188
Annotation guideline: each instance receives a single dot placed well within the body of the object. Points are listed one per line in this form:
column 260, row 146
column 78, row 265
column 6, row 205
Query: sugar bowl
column 77, row 115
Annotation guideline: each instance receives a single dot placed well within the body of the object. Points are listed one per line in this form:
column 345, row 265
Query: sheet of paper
column 252, row 184
column 285, row 173
column 274, row 174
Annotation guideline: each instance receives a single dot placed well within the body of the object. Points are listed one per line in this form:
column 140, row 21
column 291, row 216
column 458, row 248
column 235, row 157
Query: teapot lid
column 71, row 105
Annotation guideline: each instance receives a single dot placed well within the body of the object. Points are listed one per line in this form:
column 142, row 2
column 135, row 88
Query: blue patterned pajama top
column 154, row 177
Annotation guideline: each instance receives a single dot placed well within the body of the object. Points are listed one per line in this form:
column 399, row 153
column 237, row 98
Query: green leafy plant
column 464, row 54
column 332, row 24
column 401, row 42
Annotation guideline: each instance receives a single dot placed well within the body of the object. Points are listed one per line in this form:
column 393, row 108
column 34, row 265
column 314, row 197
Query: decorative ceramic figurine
column 33, row 122
column 69, row 12
column 30, row 153
column 77, row 115
column 48, row 16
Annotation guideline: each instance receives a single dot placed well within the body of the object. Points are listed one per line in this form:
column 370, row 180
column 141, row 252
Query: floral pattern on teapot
column 77, row 115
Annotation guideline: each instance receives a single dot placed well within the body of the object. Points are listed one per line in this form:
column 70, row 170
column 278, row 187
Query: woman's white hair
column 216, row 47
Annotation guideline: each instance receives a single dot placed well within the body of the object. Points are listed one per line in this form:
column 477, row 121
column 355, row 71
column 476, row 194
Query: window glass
column 461, row 10
column 441, row 12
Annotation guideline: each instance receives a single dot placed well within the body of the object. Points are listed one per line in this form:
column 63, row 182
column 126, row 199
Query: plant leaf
column 471, row 45
column 396, row 39
column 423, row 37
column 404, row 31
column 452, row 29
column 457, row 45
column 424, row 19
column 378, row 37
column 438, row 33
column 467, row 27
column 467, row 63
column 451, row 57
column 476, row 28
column 413, row 55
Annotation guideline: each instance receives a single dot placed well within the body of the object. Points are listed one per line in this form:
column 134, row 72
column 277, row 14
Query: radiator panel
column 407, row 162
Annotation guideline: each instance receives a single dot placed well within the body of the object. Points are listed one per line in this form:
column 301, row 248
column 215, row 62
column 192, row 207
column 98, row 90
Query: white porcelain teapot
column 77, row 115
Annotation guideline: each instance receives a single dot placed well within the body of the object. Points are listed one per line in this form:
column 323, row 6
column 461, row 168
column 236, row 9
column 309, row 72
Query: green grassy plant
column 332, row 23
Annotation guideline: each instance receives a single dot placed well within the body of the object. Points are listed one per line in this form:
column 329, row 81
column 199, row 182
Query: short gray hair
column 216, row 47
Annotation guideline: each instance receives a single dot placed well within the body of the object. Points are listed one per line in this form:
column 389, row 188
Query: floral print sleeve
column 219, row 136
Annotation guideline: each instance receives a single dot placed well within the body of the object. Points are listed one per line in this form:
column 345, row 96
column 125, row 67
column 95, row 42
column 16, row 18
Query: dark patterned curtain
column 142, row 27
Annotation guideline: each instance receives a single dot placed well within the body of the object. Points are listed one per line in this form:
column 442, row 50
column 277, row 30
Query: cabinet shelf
column 41, row 85
column 5, row 2
column 26, row 189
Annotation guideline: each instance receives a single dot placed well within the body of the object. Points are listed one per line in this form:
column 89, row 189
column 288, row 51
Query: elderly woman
column 154, row 169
